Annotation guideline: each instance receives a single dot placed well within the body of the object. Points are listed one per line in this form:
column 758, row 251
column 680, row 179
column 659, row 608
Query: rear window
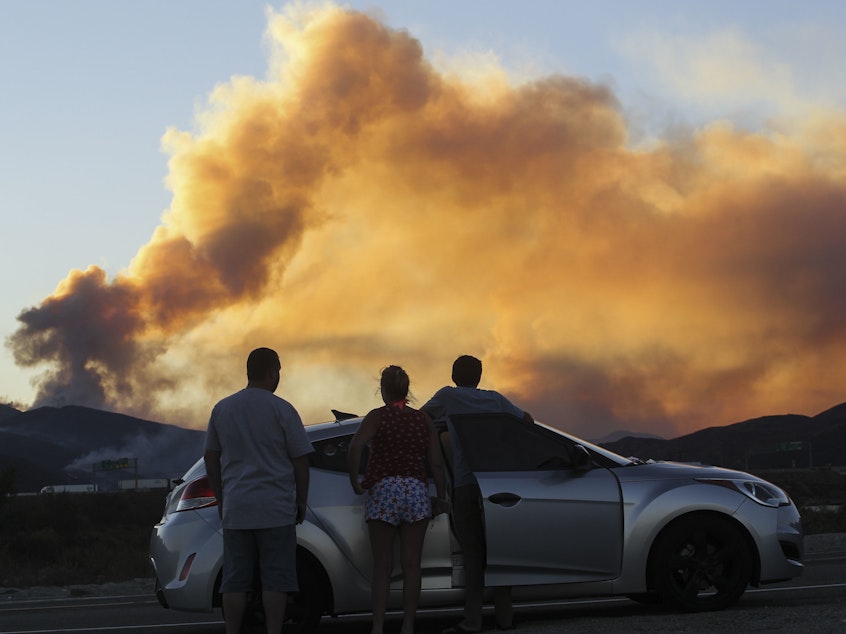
column 330, row 454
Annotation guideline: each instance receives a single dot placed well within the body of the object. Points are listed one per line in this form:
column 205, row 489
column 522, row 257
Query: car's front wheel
column 701, row 563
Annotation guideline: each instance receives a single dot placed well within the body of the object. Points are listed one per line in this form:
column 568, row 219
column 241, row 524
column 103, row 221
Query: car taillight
column 197, row 495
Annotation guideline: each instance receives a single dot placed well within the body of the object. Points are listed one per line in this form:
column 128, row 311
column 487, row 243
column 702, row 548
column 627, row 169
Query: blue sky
column 91, row 87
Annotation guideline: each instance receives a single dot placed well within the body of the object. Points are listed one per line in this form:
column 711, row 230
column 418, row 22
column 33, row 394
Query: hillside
column 769, row 442
column 7, row 411
column 61, row 445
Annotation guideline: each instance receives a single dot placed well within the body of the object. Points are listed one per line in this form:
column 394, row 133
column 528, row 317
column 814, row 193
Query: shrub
column 817, row 522
column 7, row 484
column 77, row 538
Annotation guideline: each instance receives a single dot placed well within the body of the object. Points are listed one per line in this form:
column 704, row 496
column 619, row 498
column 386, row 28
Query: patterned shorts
column 398, row 499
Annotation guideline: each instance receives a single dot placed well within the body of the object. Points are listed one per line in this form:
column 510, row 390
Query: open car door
column 549, row 516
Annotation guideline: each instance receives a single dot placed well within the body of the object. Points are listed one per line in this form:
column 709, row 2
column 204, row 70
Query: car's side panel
column 651, row 505
column 560, row 526
column 340, row 513
column 437, row 556
column 769, row 527
column 350, row 590
column 549, row 517
column 183, row 537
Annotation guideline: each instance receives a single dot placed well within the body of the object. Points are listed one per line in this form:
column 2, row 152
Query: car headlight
column 761, row 492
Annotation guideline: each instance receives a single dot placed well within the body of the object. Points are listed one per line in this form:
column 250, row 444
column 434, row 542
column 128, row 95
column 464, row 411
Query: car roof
column 339, row 427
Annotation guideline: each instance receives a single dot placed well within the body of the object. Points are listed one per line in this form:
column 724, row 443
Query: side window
column 500, row 442
column 331, row 454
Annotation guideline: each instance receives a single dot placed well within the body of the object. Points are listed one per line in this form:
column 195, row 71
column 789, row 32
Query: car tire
column 701, row 563
column 305, row 607
column 304, row 610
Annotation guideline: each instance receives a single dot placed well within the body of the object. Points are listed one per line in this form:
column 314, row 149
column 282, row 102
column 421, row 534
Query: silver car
column 563, row 518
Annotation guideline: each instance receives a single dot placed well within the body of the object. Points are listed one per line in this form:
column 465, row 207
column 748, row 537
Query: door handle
column 505, row 499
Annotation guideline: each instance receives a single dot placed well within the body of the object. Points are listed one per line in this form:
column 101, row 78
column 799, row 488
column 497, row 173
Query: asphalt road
column 812, row 604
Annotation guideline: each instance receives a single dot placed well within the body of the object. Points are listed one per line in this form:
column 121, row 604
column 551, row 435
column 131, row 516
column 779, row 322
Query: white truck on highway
column 69, row 488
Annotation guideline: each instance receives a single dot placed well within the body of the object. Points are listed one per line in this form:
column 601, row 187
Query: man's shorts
column 398, row 499
column 273, row 550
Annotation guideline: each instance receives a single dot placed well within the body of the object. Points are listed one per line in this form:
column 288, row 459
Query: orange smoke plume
column 360, row 207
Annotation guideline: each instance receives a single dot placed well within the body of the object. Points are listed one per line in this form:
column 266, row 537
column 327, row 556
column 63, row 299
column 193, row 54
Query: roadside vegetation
column 66, row 538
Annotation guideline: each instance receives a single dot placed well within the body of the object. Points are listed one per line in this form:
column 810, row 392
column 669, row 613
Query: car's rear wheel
column 305, row 607
column 701, row 563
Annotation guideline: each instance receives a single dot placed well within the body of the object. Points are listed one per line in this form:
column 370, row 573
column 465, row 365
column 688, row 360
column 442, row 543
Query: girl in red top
column 401, row 440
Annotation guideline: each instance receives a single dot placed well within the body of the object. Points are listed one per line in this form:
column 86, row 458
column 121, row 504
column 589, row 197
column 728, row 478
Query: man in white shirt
column 257, row 463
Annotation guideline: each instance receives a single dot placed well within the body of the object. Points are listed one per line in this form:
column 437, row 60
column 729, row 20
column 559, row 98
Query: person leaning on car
column 402, row 441
column 467, row 398
column 257, row 463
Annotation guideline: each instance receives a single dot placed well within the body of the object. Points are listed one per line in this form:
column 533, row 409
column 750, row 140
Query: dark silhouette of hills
column 620, row 434
column 769, row 442
column 7, row 411
column 59, row 445
column 48, row 446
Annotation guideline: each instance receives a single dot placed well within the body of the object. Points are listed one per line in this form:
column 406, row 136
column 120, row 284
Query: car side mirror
column 581, row 458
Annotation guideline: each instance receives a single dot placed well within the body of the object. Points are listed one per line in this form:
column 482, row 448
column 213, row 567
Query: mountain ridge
column 767, row 442
column 48, row 445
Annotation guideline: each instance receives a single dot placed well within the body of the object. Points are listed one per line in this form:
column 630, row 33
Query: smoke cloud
column 359, row 207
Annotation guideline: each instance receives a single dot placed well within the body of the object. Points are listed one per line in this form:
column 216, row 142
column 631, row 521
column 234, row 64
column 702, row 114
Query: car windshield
column 605, row 453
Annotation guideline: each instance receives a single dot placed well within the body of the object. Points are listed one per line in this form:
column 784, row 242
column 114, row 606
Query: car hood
column 676, row 470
